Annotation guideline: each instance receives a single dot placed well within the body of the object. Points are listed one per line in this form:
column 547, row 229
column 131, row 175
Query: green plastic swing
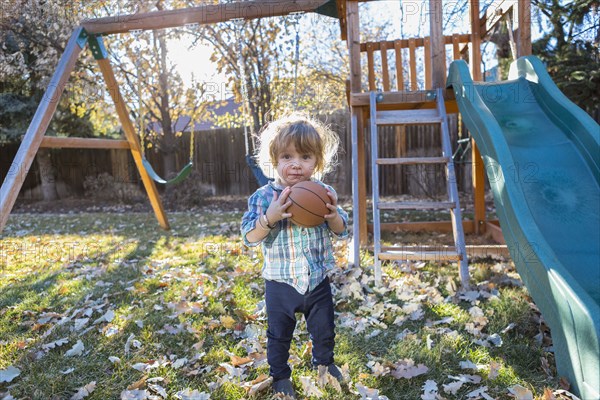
column 185, row 171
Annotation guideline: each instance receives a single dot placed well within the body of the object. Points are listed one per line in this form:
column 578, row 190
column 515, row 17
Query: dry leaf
column 134, row 394
column 324, row 378
column 76, row 350
column 430, row 390
column 84, row 391
column 227, row 322
column 521, row 393
column 189, row 394
column 548, row 395
column 8, row 374
column 54, row 344
column 239, row 361
column 453, row 387
column 258, row 385
column 139, row 384
column 494, row 369
column 407, row 369
column 309, row 387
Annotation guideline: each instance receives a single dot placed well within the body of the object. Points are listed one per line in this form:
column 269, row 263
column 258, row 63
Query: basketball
column 309, row 201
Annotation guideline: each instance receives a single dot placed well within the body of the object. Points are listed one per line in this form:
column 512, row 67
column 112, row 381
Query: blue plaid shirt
column 300, row 257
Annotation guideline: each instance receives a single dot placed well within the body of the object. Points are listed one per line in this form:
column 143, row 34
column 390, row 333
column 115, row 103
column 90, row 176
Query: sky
column 407, row 18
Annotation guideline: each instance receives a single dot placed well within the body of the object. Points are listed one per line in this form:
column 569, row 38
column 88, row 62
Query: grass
column 184, row 303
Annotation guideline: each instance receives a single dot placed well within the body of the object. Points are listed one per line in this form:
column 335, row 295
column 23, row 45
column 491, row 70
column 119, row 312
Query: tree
column 570, row 47
column 32, row 38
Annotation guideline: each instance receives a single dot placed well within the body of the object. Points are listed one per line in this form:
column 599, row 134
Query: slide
column 542, row 158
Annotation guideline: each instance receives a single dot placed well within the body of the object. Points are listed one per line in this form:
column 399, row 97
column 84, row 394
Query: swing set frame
column 90, row 33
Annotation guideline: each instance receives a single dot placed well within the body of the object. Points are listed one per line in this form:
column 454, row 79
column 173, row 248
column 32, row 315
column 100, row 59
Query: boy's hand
column 332, row 207
column 279, row 204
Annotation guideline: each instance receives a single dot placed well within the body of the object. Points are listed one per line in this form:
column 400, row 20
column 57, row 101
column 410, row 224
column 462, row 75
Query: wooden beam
column 399, row 66
column 425, row 226
column 206, row 14
column 478, row 173
column 385, row 72
column 412, row 62
column 83, row 143
column 438, row 45
column 115, row 94
column 427, row 62
column 493, row 228
column 353, row 35
column 37, row 128
column 371, row 67
column 524, row 28
column 473, row 251
column 362, row 178
column 419, row 42
column 400, row 97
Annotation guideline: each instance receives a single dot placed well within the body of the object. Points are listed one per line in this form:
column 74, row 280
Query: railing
column 405, row 80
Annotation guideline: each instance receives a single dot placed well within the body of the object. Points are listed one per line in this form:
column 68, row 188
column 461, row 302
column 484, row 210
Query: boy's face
column 293, row 167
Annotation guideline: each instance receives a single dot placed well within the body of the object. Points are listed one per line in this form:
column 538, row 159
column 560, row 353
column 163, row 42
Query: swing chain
column 296, row 16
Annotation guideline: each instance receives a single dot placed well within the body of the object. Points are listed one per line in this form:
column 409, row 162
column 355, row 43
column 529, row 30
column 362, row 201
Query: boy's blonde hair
column 308, row 135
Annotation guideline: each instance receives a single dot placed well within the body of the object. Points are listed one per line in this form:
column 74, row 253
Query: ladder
column 415, row 117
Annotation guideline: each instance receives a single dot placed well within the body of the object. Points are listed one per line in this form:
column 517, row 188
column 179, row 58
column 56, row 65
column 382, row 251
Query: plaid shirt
column 300, row 257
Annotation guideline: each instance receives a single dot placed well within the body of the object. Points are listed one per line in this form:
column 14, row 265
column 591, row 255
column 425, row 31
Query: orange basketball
column 309, row 201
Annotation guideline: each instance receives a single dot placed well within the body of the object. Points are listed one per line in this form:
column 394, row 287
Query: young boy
column 296, row 259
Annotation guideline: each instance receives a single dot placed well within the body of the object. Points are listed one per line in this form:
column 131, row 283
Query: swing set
column 90, row 33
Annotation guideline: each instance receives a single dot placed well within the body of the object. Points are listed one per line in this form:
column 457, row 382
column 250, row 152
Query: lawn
column 108, row 306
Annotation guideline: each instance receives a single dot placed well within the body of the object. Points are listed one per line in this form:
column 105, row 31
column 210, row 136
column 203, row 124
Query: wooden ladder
column 416, row 117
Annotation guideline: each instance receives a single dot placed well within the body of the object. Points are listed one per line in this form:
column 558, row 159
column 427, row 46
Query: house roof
column 213, row 110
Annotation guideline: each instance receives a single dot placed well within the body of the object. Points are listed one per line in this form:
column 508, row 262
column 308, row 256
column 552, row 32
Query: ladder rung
column 416, row 205
column 420, row 255
column 406, row 117
column 412, row 160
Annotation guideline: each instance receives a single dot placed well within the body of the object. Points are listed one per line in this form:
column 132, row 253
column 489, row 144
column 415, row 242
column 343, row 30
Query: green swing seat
column 185, row 171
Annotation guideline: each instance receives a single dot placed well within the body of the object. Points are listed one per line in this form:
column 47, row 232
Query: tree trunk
column 47, row 175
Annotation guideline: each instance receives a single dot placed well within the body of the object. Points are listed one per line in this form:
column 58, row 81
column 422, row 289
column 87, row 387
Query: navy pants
column 283, row 302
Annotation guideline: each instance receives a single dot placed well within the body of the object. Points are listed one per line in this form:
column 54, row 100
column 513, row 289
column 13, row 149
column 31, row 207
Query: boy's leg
column 320, row 323
column 282, row 301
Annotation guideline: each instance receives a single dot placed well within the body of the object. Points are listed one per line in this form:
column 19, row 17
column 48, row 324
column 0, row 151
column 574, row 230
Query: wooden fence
column 219, row 161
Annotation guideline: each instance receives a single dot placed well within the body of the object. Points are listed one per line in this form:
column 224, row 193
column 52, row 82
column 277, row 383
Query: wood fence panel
column 219, row 160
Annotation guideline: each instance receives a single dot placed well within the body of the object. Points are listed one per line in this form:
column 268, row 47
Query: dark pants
column 283, row 301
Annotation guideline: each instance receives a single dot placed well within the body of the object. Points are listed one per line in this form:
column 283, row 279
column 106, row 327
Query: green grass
column 191, row 292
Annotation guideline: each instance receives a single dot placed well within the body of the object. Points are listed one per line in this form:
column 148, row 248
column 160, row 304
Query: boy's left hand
column 332, row 207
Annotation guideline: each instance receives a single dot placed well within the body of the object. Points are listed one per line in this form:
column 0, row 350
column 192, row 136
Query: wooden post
column 412, row 60
column 478, row 172
column 523, row 11
column 37, row 128
column 115, row 94
column 353, row 40
column 438, row 45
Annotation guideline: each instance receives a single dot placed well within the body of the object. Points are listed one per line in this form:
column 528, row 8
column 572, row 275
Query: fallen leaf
column 480, row 392
column 521, row 393
column 189, row 394
column 310, row 388
column 76, row 350
column 238, row 361
column 56, row 343
column 227, row 321
column 114, row 359
column 84, row 391
column 258, row 385
column 134, row 394
column 67, row 371
column 548, row 395
column 494, row 369
column 138, row 384
column 453, row 387
column 8, row 374
column 430, row 390
column 407, row 369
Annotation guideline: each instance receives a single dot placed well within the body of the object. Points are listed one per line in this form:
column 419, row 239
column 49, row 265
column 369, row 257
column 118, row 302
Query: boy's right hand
column 279, row 204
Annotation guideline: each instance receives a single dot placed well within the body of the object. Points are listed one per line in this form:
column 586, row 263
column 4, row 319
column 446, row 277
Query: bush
column 105, row 187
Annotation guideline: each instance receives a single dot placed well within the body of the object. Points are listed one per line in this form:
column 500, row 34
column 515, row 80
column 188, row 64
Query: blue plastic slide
column 542, row 157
